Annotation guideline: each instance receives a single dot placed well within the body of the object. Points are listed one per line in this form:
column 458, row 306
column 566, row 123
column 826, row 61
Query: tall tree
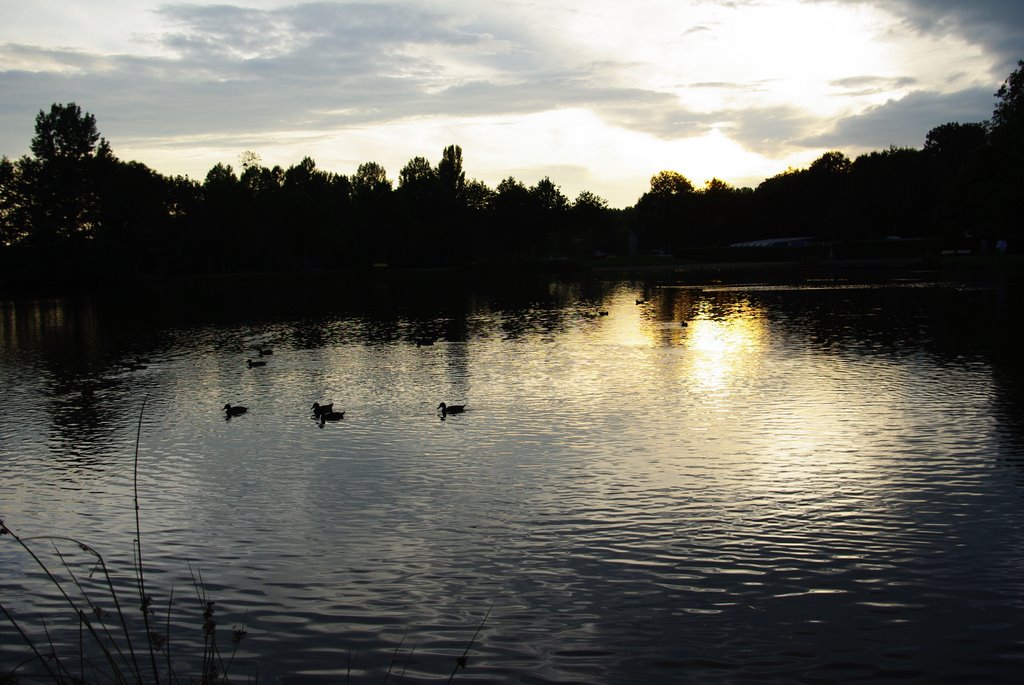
column 666, row 183
column 1007, row 136
column 370, row 184
column 1007, row 121
column 62, row 175
column 663, row 212
column 451, row 176
column 418, row 184
column 64, row 133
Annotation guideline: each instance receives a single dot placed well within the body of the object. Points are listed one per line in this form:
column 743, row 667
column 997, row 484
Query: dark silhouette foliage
column 73, row 209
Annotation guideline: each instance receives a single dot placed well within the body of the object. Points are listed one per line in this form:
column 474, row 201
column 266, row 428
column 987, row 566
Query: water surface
column 818, row 482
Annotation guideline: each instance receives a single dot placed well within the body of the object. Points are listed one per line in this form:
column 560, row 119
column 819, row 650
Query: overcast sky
column 597, row 95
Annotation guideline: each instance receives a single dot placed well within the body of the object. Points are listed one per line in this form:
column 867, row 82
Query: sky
column 597, row 95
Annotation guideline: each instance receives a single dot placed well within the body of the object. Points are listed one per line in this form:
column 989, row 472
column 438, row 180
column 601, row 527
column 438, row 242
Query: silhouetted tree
column 418, row 183
column 63, row 203
column 371, row 197
column 591, row 226
column 1007, row 123
column 1007, row 160
column 13, row 203
column 958, row 156
column 663, row 212
column 451, row 176
column 512, row 204
column 954, row 143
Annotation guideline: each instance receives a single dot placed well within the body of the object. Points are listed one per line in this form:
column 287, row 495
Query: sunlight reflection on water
column 771, row 491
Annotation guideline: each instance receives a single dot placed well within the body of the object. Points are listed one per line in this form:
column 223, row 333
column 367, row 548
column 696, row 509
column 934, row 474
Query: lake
column 656, row 479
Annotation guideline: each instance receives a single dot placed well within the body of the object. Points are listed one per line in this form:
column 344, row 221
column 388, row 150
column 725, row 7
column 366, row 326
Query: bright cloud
column 596, row 95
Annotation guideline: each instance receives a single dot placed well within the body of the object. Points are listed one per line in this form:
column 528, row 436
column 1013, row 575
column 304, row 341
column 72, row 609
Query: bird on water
column 234, row 411
column 450, row 409
column 319, row 409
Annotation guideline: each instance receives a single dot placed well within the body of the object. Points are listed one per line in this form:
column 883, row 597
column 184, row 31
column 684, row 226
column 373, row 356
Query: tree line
column 73, row 207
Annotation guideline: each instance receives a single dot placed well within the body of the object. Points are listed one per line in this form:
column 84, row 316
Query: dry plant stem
column 144, row 600
column 461, row 661
column 394, row 657
column 67, row 598
column 95, row 609
column 43, row 660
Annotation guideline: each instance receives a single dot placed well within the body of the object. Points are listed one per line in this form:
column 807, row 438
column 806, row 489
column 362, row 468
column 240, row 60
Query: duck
column 602, row 313
column 250, row 363
column 264, row 352
column 453, row 409
column 641, row 301
column 320, row 409
column 234, row 411
column 331, row 416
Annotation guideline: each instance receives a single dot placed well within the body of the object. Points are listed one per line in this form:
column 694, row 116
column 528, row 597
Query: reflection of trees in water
column 1008, row 375
column 63, row 344
column 79, row 346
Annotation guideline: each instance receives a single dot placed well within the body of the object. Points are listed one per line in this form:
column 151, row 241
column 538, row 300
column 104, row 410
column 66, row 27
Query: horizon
column 594, row 96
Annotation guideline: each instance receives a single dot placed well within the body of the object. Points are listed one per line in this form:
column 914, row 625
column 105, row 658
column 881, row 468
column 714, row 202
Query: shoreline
column 966, row 268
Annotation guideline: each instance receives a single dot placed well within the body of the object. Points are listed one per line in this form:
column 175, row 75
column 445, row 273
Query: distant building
column 802, row 241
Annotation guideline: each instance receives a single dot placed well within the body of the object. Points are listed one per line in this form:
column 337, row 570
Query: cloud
column 996, row 26
column 317, row 78
column 905, row 122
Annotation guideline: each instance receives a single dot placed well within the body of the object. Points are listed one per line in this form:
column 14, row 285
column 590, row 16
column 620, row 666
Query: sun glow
column 723, row 350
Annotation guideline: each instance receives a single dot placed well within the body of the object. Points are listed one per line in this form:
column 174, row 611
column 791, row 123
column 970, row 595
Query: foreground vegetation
column 112, row 634
column 74, row 211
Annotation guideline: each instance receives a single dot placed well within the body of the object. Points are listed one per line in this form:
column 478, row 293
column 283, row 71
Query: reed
column 116, row 645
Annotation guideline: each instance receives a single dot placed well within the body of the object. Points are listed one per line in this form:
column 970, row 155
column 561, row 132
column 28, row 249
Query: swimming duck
column 331, row 416
column 319, row 409
column 264, row 352
column 453, row 409
column 641, row 301
column 234, row 411
column 250, row 363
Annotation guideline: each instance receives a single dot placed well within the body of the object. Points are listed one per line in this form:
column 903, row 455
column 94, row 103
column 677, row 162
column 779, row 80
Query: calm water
column 816, row 483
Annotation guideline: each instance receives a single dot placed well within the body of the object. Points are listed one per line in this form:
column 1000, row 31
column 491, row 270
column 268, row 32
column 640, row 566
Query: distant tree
column 512, row 208
column 62, row 203
column 591, row 222
column 479, row 196
column 548, row 197
column 511, row 195
column 248, row 160
column 1006, row 175
column 715, row 186
column 833, row 163
column 370, row 184
column 451, row 176
column 589, row 202
column 889, row 193
column 12, row 204
column 663, row 213
column 1007, row 123
column 260, row 181
column 418, row 184
column 374, row 213
column 954, row 143
column 64, row 134
column 665, row 183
